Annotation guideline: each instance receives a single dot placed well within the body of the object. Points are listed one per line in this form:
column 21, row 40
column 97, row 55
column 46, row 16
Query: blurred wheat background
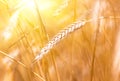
column 59, row 40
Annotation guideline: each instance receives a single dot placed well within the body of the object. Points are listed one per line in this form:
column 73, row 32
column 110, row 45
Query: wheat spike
column 57, row 38
column 71, row 28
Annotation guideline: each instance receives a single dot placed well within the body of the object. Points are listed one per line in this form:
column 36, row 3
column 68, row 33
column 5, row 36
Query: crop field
column 59, row 40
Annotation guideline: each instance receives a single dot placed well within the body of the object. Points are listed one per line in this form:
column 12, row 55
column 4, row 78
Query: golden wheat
column 59, row 40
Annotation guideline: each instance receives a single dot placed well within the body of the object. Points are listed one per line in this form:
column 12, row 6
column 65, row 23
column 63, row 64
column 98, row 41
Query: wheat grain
column 58, row 37
column 71, row 28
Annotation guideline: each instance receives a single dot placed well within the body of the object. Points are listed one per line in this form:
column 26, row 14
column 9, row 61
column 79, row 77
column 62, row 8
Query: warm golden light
column 7, row 35
column 59, row 40
column 31, row 4
column 46, row 5
column 61, row 7
column 7, row 61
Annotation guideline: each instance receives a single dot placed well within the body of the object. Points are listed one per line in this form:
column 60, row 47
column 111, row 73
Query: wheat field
column 59, row 40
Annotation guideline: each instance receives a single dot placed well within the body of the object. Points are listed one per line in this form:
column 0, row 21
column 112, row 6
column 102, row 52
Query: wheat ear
column 71, row 28
column 57, row 38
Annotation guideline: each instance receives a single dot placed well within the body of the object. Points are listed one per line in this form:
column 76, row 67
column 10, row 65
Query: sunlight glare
column 7, row 35
column 43, row 5
column 46, row 5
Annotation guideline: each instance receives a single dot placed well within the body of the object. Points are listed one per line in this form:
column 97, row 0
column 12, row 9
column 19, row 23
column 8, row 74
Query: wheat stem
column 58, row 37
column 22, row 64
column 62, row 34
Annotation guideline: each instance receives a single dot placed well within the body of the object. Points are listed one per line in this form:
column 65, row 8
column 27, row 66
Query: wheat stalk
column 58, row 37
column 71, row 28
column 22, row 64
